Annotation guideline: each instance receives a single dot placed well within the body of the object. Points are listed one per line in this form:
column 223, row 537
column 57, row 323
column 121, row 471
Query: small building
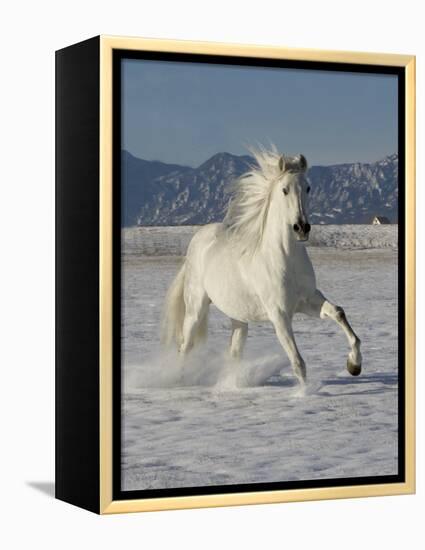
column 379, row 220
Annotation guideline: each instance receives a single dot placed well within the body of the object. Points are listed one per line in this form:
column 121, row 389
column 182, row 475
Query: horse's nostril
column 296, row 227
column 307, row 228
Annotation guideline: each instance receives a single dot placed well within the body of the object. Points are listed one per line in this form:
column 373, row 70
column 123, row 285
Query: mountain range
column 157, row 193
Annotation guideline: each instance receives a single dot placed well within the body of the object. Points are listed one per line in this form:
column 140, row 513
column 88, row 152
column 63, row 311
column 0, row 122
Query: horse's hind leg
column 319, row 306
column 194, row 325
column 238, row 338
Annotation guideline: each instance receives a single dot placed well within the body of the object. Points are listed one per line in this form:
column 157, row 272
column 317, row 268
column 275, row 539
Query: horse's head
column 292, row 189
column 273, row 192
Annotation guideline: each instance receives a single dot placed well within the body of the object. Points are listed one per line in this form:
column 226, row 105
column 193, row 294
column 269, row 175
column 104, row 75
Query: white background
column 29, row 34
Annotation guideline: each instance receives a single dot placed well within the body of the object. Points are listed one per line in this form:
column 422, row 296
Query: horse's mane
column 246, row 215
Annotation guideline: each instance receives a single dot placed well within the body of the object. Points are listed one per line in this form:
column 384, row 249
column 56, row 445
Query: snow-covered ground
column 227, row 423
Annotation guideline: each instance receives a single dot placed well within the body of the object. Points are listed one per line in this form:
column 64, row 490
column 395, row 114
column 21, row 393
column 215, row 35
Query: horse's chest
column 301, row 278
column 302, row 272
column 295, row 281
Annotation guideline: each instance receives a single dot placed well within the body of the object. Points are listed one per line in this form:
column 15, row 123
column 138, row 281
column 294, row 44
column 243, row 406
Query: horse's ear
column 282, row 163
column 303, row 163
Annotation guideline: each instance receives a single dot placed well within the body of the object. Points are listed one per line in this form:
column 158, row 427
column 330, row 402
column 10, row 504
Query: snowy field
column 166, row 241
column 247, row 423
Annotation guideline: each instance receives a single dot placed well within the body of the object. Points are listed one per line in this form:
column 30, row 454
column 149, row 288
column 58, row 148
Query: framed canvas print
column 235, row 274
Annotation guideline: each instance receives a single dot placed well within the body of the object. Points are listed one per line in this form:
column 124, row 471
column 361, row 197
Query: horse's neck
column 278, row 238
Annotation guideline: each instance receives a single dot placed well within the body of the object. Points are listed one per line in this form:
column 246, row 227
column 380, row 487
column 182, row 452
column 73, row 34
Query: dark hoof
column 353, row 369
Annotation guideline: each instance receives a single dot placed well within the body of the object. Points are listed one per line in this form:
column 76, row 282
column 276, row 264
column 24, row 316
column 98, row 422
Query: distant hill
column 156, row 193
column 140, row 184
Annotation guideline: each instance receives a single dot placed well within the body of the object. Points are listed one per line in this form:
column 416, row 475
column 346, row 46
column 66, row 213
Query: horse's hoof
column 353, row 369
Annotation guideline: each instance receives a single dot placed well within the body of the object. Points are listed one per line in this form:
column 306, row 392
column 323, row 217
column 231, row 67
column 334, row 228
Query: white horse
column 254, row 266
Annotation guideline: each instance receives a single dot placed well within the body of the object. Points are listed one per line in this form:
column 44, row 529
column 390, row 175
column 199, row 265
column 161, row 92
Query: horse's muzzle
column 302, row 230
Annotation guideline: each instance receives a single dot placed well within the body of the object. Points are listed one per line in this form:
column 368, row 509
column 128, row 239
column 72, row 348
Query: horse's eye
column 285, row 190
column 308, row 189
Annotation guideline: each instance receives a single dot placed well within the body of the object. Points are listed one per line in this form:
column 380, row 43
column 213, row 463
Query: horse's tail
column 174, row 314
column 174, row 311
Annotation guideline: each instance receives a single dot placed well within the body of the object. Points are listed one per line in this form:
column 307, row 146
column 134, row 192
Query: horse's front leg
column 283, row 327
column 318, row 306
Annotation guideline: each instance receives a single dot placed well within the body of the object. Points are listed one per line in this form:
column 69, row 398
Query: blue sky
column 186, row 112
